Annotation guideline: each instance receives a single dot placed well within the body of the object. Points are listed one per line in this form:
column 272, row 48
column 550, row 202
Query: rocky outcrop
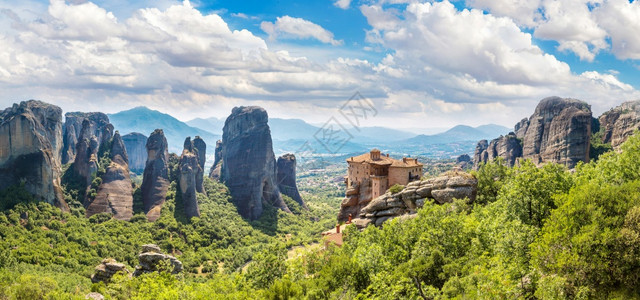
column 441, row 189
column 151, row 259
column 201, row 151
column 136, row 150
column 30, row 150
column 106, row 269
column 86, row 161
column 99, row 127
column 155, row 182
column 619, row 123
column 115, row 193
column 508, row 147
column 286, row 175
column 190, row 173
column 559, row 131
column 248, row 162
column 216, row 169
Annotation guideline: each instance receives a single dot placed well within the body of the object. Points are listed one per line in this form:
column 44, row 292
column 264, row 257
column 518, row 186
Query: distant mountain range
column 295, row 135
column 145, row 121
column 460, row 133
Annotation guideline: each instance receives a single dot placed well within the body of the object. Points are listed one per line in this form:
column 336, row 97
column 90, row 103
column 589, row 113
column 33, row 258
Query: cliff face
column 441, row 189
column 156, row 175
column 201, row 151
column 136, row 150
column 559, row 131
column 30, row 150
column 286, row 175
column 99, row 127
column 115, row 194
column 620, row 122
column 248, row 162
column 190, row 174
column 507, row 147
column 85, row 164
column 216, row 169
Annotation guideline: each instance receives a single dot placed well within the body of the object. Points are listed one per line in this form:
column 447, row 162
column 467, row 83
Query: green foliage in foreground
column 534, row 233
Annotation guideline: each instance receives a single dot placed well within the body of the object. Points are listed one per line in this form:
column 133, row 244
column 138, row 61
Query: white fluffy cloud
column 344, row 4
column 297, row 28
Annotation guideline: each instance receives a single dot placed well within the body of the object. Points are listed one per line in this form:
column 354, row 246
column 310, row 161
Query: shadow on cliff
column 268, row 221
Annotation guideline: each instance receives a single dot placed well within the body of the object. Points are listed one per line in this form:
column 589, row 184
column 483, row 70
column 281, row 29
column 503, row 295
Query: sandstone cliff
column 620, row 122
column 507, row 147
column 30, row 150
column 248, row 162
column 559, row 131
column 155, row 182
column 99, row 127
column 216, row 168
column 201, row 151
column 136, row 150
column 115, row 193
column 286, row 174
column 441, row 189
column 190, row 173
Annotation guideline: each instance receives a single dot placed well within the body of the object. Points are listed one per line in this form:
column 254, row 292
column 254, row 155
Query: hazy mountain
column 145, row 121
column 460, row 133
column 213, row 124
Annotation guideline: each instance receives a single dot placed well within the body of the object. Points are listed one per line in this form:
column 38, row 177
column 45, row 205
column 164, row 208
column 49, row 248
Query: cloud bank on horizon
column 423, row 64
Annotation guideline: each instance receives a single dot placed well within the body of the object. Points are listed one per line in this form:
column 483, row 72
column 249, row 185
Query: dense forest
column 532, row 233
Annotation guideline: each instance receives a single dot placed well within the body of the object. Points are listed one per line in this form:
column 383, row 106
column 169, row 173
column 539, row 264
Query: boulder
column 151, row 259
column 30, row 150
column 155, row 181
column 441, row 189
column 115, row 193
column 188, row 178
column 248, row 162
column 136, row 150
column 106, row 269
column 286, row 174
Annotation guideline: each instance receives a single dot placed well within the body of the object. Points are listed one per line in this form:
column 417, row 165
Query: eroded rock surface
column 155, row 182
column 151, row 259
column 248, row 162
column 190, row 173
column 559, row 131
column 286, row 166
column 106, row 269
column 216, row 169
column 620, row 122
column 30, row 150
column 115, row 193
column 99, row 127
column 201, row 151
column 136, row 150
column 441, row 189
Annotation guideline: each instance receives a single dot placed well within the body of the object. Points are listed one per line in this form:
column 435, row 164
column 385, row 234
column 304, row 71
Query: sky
column 420, row 64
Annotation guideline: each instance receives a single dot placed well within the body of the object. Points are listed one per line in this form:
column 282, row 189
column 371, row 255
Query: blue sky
column 422, row 63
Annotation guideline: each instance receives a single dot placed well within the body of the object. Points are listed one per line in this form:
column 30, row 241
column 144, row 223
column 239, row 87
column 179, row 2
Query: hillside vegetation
column 533, row 233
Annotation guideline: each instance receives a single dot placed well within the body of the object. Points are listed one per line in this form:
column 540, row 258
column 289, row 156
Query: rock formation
column 216, row 168
column 156, row 175
column 559, row 131
column 441, row 189
column 190, row 173
column 106, row 269
column 248, row 162
column 99, row 127
column 136, row 150
column 115, row 194
column 85, row 164
column 507, row 147
column 150, row 258
column 201, row 151
column 620, row 122
column 286, row 175
column 30, row 150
